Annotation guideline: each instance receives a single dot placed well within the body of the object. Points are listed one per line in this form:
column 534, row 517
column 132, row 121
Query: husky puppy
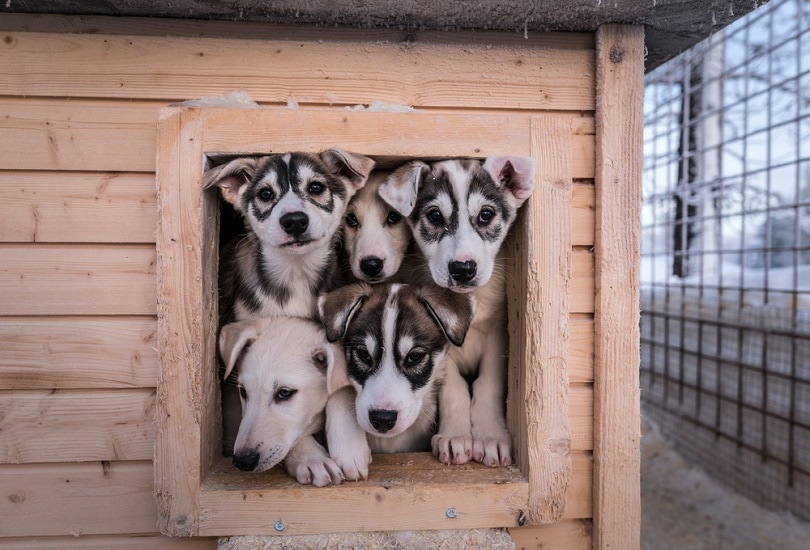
column 395, row 338
column 283, row 393
column 292, row 205
column 459, row 212
column 375, row 236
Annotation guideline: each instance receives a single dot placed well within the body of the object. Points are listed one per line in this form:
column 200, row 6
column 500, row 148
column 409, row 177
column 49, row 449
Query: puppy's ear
column 337, row 308
column 350, row 167
column 514, row 175
column 231, row 177
column 332, row 360
column 233, row 339
column 400, row 188
column 453, row 312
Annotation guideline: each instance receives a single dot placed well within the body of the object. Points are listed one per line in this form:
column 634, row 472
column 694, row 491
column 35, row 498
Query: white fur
column 281, row 429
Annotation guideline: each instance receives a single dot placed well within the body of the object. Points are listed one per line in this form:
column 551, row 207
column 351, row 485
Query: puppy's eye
column 242, row 392
column 316, row 188
column 351, row 220
column 393, row 217
column 435, row 217
column 266, row 194
column 414, row 358
column 363, row 355
column 485, row 216
column 283, row 394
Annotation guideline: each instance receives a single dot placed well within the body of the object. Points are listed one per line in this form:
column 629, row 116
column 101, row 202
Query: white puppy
column 282, row 366
column 395, row 339
column 460, row 212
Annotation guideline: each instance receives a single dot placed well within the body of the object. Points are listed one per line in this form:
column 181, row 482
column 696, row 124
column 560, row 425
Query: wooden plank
column 319, row 71
column 72, row 426
column 50, row 134
column 580, row 350
column 107, row 542
column 548, row 274
column 77, row 280
column 582, row 209
column 151, row 26
column 582, row 282
column 570, row 535
column 619, row 127
column 91, row 498
column 178, row 467
column 77, row 207
column 77, row 135
column 78, row 352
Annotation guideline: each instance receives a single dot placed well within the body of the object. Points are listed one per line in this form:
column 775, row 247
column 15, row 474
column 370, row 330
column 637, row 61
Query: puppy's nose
column 294, row 223
column 462, row 272
column 371, row 266
column 382, row 420
column 246, row 461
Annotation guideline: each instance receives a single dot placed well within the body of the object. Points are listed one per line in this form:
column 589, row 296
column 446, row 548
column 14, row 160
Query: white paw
column 353, row 459
column 319, row 471
column 452, row 449
column 492, row 450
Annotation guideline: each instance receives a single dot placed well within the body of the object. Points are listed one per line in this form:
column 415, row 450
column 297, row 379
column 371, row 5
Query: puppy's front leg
column 347, row 441
column 492, row 445
column 308, row 462
column 453, row 443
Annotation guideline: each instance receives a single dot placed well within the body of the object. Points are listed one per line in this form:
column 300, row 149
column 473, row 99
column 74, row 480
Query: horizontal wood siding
column 80, row 100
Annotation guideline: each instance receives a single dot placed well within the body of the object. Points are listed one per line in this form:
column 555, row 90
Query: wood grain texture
column 178, row 468
column 78, row 352
column 73, row 426
column 39, row 279
column 91, row 498
column 66, row 207
column 568, row 535
column 118, row 136
column 108, row 542
column 420, row 74
column 619, row 127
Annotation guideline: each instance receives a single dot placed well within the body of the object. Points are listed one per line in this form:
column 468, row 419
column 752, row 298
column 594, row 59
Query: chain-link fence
column 726, row 254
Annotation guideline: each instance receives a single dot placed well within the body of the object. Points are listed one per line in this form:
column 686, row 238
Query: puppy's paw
column 452, row 449
column 492, row 450
column 319, row 471
column 352, row 459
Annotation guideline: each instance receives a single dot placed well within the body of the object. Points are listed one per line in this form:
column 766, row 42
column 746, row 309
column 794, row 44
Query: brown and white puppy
column 375, row 236
column 395, row 338
column 292, row 206
column 460, row 212
column 283, row 393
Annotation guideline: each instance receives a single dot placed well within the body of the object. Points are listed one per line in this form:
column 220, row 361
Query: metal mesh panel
column 725, row 294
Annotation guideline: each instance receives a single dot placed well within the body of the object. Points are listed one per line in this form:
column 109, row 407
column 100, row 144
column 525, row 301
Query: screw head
column 279, row 526
column 451, row 513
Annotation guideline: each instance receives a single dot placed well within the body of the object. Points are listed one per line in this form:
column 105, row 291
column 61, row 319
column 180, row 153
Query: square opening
column 199, row 491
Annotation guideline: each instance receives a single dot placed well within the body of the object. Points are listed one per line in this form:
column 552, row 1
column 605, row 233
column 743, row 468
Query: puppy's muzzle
column 382, row 420
column 372, row 266
column 294, row 223
column 246, row 461
column 462, row 272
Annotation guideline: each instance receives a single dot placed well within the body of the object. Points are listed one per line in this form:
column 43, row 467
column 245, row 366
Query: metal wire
column 726, row 254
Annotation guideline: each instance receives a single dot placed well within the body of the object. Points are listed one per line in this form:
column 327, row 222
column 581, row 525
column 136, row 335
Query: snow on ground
column 683, row 508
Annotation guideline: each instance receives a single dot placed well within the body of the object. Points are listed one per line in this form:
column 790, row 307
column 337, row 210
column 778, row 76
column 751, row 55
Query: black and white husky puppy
column 395, row 337
column 292, row 206
column 459, row 212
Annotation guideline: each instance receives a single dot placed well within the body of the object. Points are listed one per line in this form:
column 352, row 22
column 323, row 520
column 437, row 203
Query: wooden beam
column 619, row 127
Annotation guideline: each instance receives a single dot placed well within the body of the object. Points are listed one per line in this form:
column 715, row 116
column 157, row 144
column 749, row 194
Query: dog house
column 109, row 418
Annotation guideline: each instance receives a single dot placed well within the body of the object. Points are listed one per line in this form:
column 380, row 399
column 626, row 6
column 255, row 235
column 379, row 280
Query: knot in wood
column 616, row 54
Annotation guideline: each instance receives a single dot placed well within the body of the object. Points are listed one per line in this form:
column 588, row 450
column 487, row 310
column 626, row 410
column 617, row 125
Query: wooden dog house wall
column 89, row 357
